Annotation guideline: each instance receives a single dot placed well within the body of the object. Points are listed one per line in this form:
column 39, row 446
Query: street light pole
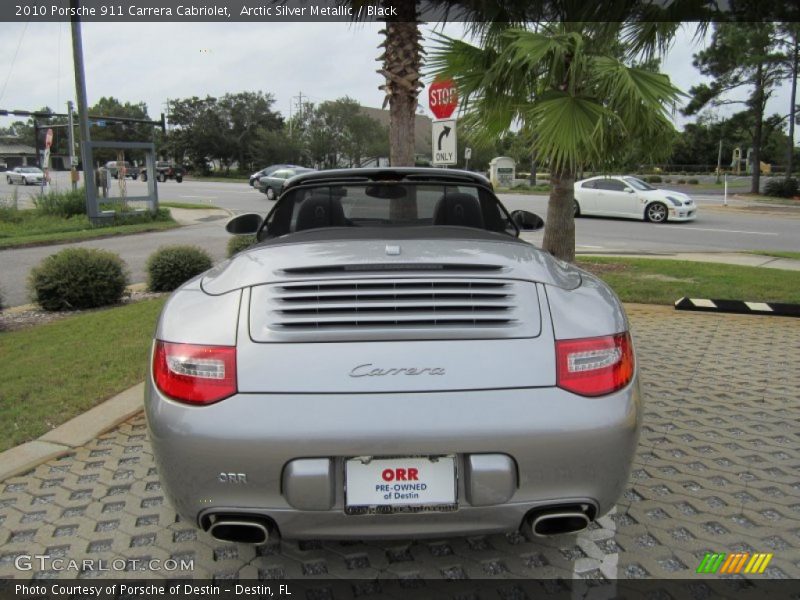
column 83, row 113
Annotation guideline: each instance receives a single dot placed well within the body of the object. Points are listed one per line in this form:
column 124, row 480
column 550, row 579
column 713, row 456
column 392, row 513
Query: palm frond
column 570, row 130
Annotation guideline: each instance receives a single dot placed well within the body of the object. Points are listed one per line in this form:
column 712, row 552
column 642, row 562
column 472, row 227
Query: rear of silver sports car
column 450, row 388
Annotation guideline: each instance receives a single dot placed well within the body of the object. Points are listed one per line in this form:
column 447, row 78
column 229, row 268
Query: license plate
column 397, row 484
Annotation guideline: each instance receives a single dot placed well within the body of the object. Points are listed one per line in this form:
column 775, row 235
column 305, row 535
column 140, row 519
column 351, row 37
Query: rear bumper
column 566, row 450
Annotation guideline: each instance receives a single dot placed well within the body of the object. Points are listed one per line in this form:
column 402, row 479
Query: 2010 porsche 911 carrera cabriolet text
column 390, row 359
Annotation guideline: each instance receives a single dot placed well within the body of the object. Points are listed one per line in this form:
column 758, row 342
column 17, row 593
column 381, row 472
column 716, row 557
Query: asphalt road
column 716, row 229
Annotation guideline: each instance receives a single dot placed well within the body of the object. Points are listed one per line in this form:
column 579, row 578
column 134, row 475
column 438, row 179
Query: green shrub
column 668, row 180
column 240, row 242
column 653, row 179
column 62, row 204
column 781, row 188
column 78, row 278
column 681, row 181
column 170, row 266
column 693, row 182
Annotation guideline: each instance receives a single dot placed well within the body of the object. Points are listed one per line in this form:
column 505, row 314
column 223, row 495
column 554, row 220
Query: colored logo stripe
column 734, row 563
column 711, row 562
column 758, row 564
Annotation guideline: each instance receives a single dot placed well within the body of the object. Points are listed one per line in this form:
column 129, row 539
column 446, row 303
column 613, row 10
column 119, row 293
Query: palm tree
column 402, row 68
column 571, row 87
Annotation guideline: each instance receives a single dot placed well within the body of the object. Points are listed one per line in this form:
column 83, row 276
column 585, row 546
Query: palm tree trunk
column 402, row 63
column 559, row 231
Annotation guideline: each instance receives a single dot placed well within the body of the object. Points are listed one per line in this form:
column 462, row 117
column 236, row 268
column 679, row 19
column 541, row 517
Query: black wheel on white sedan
column 656, row 212
column 576, row 208
column 270, row 194
column 8, row 180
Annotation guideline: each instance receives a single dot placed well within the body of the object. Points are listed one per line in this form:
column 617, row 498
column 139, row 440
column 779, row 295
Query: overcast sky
column 151, row 62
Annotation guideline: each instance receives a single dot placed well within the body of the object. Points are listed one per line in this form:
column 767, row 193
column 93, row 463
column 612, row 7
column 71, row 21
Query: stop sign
column 442, row 98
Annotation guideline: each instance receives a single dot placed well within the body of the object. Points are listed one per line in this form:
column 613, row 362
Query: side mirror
column 527, row 221
column 247, row 223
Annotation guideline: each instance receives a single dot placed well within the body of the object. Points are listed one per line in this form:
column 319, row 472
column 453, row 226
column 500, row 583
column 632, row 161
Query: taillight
column 595, row 366
column 195, row 374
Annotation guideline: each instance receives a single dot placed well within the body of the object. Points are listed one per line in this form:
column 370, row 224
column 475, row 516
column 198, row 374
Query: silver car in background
column 391, row 360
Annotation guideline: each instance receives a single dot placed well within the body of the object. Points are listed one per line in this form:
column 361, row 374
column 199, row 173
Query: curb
column 72, row 434
column 738, row 306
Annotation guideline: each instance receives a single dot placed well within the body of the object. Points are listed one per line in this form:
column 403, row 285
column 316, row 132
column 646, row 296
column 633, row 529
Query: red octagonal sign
column 442, row 98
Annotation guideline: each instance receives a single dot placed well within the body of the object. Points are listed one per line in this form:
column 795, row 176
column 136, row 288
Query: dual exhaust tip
column 544, row 523
column 240, row 530
column 541, row 523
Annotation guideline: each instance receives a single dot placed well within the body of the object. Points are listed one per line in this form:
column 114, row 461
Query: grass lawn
column 53, row 372
column 656, row 281
column 242, row 179
column 776, row 253
column 30, row 228
column 187, row 205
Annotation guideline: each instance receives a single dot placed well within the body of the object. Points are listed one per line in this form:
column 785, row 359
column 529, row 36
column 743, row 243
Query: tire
column 144, row 176
column 656, row 212
column 161, row 177
column 270, row 194
column 179, row 178
column 8, row 180
column 23, row 181
column 576, row 209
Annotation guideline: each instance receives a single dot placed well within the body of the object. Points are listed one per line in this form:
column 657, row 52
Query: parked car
column 630, row 197
column 165, row 170
column 25, row 176
column 391, row 359
column 267, row 171
column 272, row 184
column 122, row 168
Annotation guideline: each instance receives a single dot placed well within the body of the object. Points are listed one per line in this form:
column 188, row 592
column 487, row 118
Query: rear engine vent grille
column 389, row 309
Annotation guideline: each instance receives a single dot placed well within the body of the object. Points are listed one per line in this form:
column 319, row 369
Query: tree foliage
column 338, row 134
column 221, row 130
column 740, row 55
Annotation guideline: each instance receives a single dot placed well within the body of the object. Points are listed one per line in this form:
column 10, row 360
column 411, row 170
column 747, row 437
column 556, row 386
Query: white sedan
column 630, row 197
column 25, row 176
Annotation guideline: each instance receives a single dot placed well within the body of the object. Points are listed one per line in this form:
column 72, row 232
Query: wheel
column 270, row 194
column 576, row 208
column 178, row 178
column 23, row 181
column 656, row 212
column 161, row 177
column 8, row 180
column 135, row 176
column 144, row 176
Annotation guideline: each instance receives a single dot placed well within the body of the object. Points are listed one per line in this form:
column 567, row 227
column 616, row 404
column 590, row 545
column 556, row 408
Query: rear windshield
column 387, row 204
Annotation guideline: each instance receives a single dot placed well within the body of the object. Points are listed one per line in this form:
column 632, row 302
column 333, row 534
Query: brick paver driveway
column 718, row 470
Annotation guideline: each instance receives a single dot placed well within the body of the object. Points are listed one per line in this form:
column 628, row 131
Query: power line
column 14, row 60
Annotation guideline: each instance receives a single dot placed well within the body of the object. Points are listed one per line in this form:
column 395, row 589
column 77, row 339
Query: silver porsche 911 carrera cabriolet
column 390, row 359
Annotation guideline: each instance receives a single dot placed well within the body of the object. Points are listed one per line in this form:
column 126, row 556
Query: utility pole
column 83, row 113
column 73, row 171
